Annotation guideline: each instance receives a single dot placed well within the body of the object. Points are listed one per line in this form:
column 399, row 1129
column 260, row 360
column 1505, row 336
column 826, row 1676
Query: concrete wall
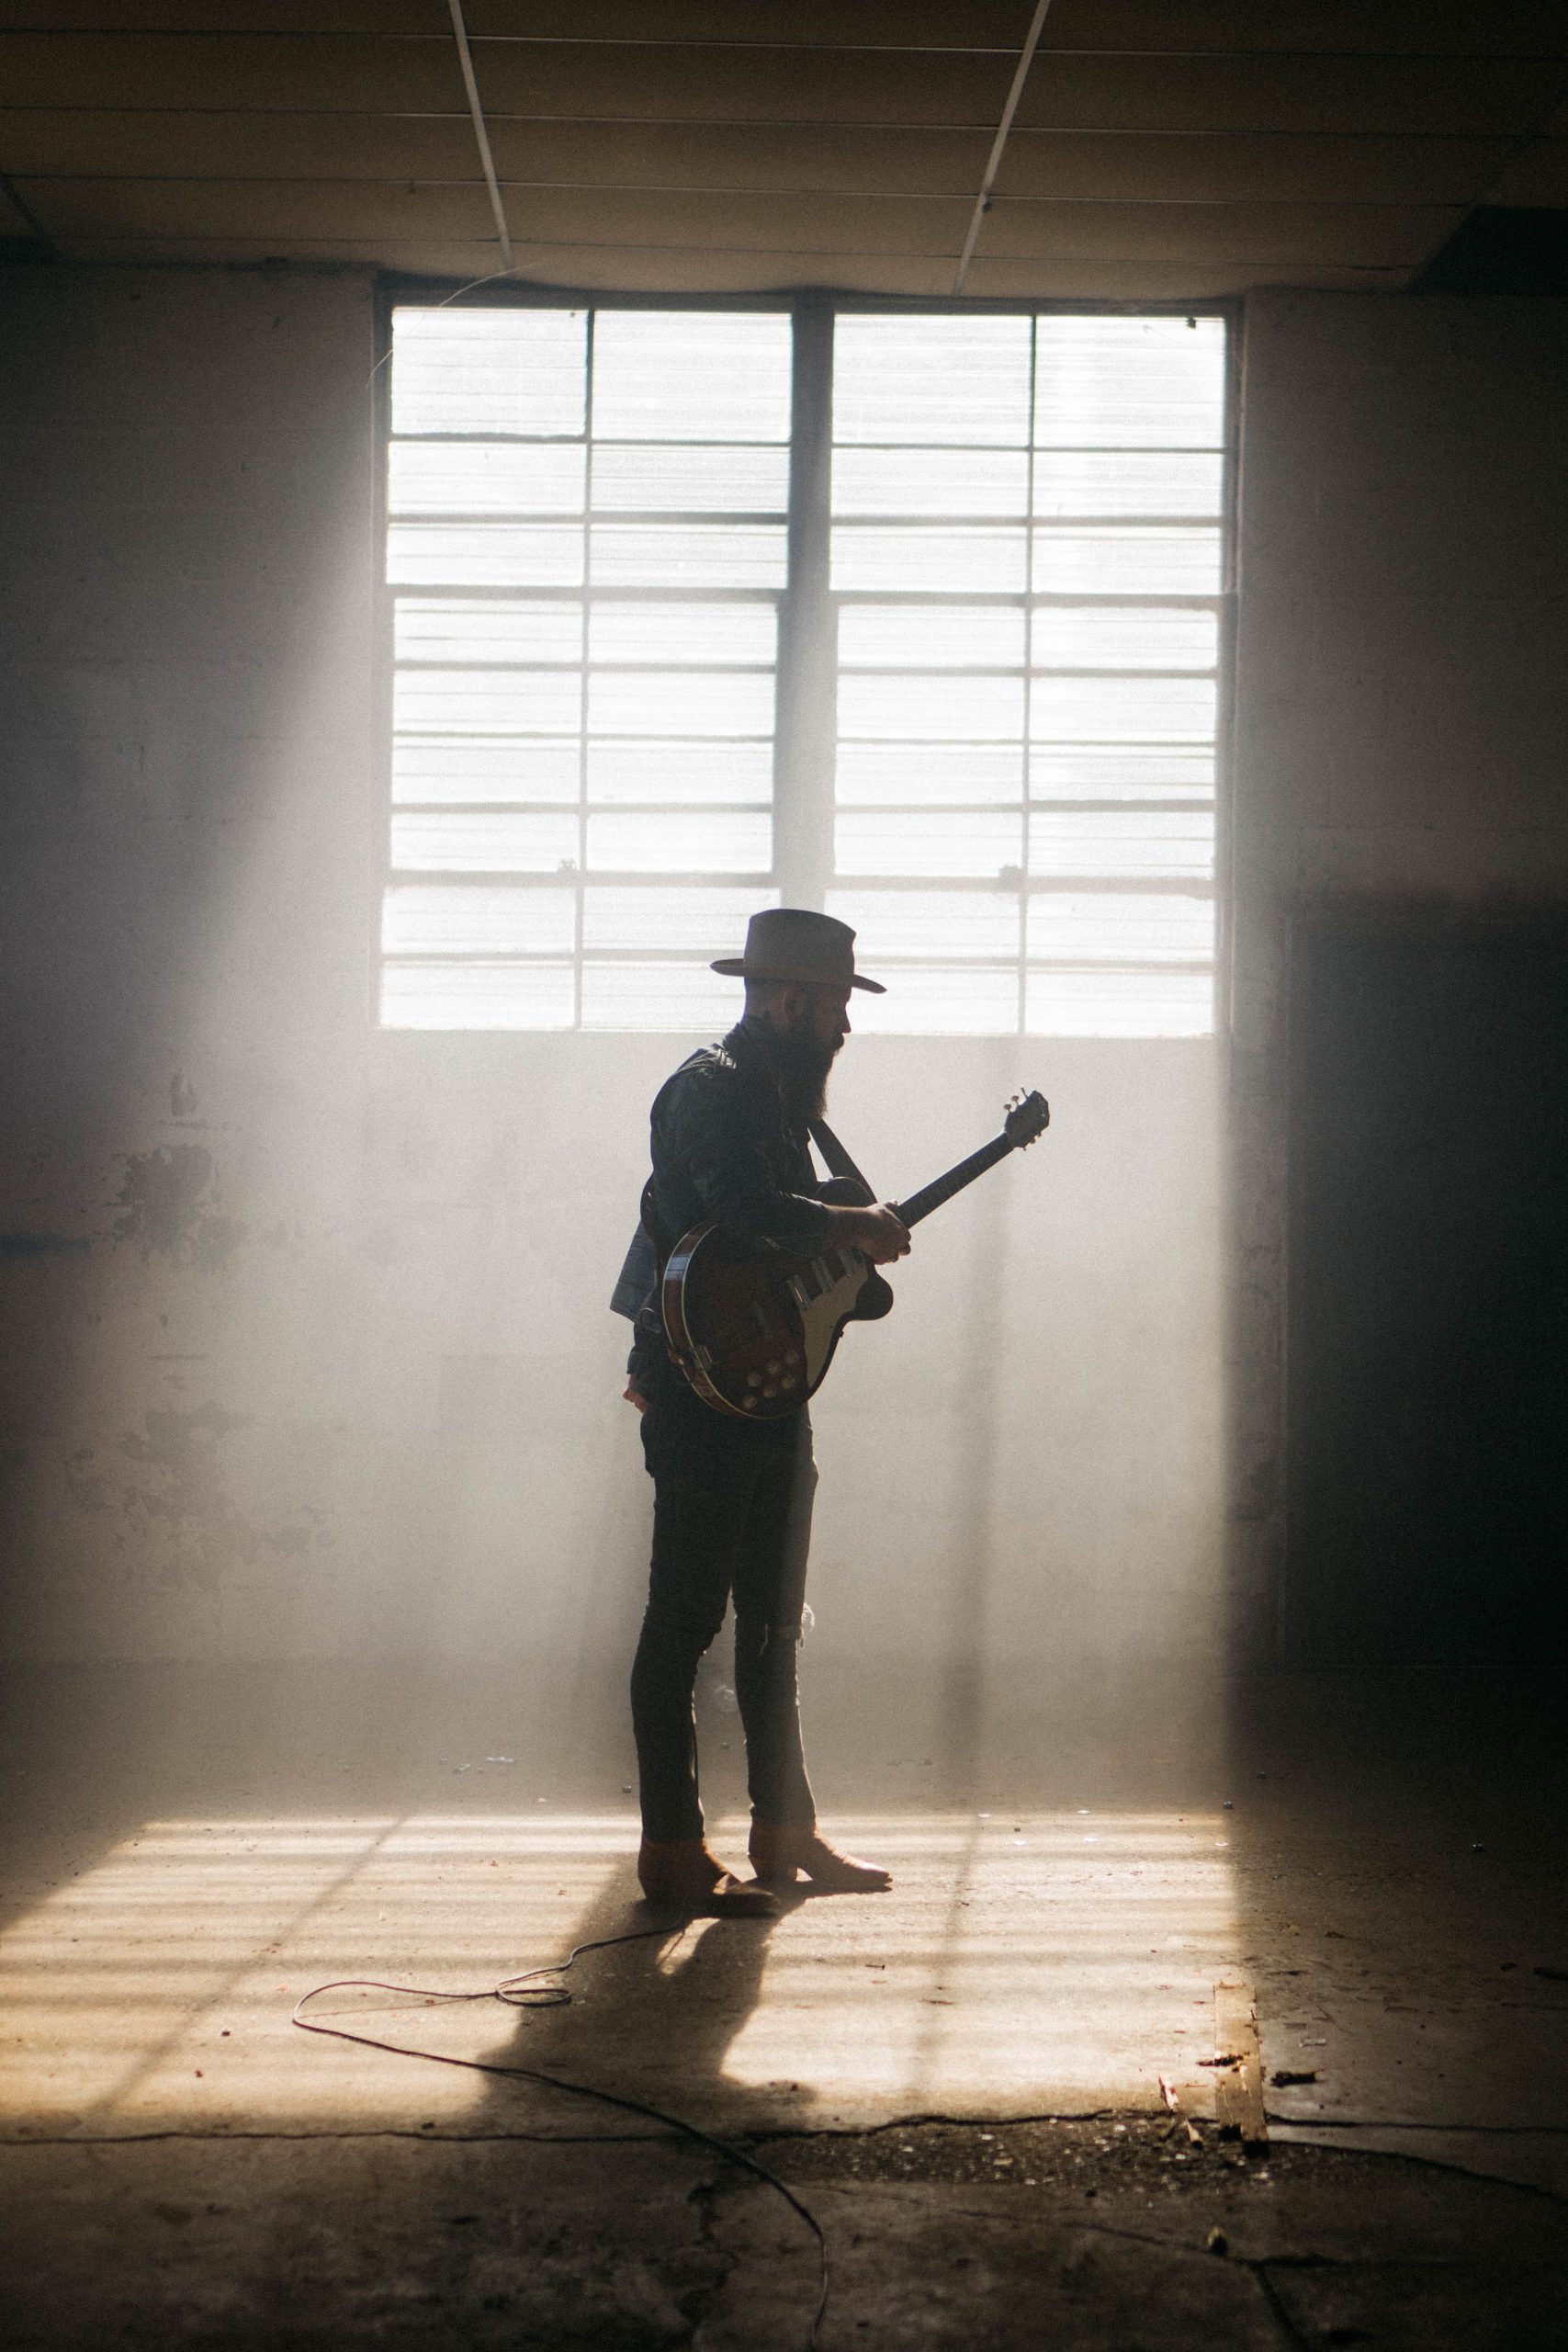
column 1402, row 718
column 308, row 1350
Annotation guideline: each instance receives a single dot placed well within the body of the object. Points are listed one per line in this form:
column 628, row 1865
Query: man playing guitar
column 732, row 1497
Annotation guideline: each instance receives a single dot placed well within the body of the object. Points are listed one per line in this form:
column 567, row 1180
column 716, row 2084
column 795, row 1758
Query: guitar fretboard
column 931, row 1196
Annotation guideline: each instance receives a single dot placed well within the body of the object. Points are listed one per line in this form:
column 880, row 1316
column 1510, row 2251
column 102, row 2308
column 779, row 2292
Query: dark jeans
column 731, row 1515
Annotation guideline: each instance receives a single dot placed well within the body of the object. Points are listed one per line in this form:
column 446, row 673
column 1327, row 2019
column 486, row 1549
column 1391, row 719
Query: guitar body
column 753, row 1324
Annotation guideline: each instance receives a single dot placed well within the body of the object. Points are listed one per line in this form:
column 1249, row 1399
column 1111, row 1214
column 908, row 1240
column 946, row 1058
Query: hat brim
column 734, row 968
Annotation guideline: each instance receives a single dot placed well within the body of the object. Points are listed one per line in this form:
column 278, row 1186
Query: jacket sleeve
column 706, row 1131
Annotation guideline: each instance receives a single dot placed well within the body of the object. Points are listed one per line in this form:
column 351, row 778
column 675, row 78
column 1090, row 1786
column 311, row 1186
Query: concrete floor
column 969, row 2081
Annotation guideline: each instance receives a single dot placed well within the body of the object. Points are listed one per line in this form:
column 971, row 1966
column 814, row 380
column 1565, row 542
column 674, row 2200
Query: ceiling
column 1163, row 149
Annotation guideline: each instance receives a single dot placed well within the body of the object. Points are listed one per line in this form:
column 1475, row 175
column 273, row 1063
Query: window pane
column 1150, row 844
column 682, row 480
column 944, row 563
column 1119, row 772
column 681, row 702
column 485, row 555
column 1130, row 383
column 1101, row 1003
column 487, row 371
column 477, row 996
column 514, row 770
column 706, row 921
column 927, row 923
column 448, row 630
column 928, row 841
column 678, row 997
column 688, row 555
column 487, row 702
column 688, row 633
column 486, row 841
column 963, row 379
column 1103, row 926
column 1123, row 637
column 666, row 841
column 630, row 773
column 485, row 478
column 692, row 375
column 423, row 918
column 1126, row 482
column 937, row 1000
column 872, row 775
column 1117, row 559
column 900, row 705
column 1169, row 711
column 931, row 481
column 931, row 637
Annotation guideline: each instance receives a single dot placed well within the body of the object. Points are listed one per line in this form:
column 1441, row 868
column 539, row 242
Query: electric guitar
column 753, row 1323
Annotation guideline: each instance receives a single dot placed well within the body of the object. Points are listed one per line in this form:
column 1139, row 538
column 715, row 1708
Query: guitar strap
column 838, row 1158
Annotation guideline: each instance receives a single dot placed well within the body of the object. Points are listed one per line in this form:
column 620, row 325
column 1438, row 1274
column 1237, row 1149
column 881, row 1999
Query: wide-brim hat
column 791, row 943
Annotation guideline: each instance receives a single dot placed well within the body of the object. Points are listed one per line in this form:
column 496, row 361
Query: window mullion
column 808, row 656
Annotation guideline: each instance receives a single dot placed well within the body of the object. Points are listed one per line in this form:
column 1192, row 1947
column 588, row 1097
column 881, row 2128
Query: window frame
column 806, row 715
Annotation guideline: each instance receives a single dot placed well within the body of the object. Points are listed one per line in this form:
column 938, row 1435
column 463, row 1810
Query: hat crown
column 798, row 944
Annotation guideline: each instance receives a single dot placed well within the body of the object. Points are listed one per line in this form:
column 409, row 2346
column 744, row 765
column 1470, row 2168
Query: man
column 732, row 1498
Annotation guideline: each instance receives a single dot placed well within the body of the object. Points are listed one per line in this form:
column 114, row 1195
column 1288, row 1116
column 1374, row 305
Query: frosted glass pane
column 485, row 555
column 1169, row 711
column 1106, row 926
column 931, row 637
column 484, row 841
column 682, row 480
column 477, row 996
column 705, row 922
column 487, row 371
column 693, row 633
column 515, row 771
column 689, row 555
column 677, row 997
column 1118, row 559
column 928, row 922
column 1119, row 772
column 931, row 481
column 692, row 375
column 866, row 555
column 1123, row 637
column 1099, row 1004
column 937, row 1000
column 671, row 841
column 1147, row 845
column 901, row 705
column 448, row 629
column 681, row 702
column 1130, row 383
column 629, row 773
column 1126, row 482
column 421, row 919
column 961, row 380
column 873, row 775
column 934, row 841
column 485, row 478
column 487, row 702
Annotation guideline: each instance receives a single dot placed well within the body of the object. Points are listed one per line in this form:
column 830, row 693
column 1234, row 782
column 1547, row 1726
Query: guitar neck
column 933, row 1195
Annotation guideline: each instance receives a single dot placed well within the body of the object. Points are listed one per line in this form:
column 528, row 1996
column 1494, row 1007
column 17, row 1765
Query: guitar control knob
column 774, row 1368
column 769, row 1391
column 792, row 1355
column 789, row 1381
column 750, row 1403
column 753, row 1380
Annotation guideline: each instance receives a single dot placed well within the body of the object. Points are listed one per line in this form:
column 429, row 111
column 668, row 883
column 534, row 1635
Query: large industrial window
column 956, row 680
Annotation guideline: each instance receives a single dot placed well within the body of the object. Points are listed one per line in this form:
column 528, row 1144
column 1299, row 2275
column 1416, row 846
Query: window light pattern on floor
column 586, row 544
column 1028, row 561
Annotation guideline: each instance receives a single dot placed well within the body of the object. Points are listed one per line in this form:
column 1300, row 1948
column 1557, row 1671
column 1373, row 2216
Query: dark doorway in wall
column 1427, row 1377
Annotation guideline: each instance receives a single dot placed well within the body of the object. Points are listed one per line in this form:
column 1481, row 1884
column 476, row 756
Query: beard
column 803, row 1063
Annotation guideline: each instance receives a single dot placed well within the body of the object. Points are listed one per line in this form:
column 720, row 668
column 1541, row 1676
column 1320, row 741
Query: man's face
column 828, row 1016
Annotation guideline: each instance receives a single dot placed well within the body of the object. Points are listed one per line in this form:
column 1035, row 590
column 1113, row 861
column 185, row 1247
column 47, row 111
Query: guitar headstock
column 1028, row 1116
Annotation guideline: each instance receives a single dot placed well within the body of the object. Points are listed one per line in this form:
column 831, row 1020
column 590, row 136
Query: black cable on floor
column 524, row 1992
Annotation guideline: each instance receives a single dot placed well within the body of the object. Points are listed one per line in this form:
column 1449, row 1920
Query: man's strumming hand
column 880, row 1233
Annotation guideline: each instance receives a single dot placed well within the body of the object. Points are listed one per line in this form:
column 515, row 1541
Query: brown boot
column 684, row 1876
column 779, row 1851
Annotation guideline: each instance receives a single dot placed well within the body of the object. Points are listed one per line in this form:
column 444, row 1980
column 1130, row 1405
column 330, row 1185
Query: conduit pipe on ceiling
column 464, row 59
column 983, row 201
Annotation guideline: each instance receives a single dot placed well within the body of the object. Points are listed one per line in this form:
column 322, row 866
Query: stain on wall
column 168, row 1207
